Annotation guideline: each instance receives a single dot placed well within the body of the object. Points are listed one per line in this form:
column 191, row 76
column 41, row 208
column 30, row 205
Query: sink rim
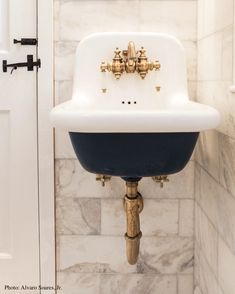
column 186, row 116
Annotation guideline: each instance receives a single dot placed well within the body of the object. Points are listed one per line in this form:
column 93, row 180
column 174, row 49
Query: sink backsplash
column 93, row 87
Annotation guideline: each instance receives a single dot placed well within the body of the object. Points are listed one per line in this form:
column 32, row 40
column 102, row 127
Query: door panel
column 5, row 251
column 19, row 237
column 4, row 25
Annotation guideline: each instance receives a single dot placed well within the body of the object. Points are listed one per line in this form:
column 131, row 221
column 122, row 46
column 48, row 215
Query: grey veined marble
column 166, row 255
column 78, row 216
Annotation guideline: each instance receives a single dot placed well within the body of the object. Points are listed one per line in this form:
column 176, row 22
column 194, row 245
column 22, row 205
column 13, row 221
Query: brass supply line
column 133, row 205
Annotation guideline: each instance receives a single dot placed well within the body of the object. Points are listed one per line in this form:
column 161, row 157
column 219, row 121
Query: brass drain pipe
column 133, row 205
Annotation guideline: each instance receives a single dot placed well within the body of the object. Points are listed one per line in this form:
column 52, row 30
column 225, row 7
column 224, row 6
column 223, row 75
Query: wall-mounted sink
column 132, row 117
column 132, row 127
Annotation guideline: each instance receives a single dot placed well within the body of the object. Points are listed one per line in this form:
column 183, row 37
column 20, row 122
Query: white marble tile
column 197, row 182
column 73, row 181
column 64, row 60
column 210, row 57
column 96, row 254
column 207, row 239
column 81, row 18
column 108, row 254
column 197, row 290
column 177, row 18
column 64, row 91
column 196, row 268
column 208, row 198
column 219, row 206
column 74, row 283
column 63, row 145
column 179, row 186
column 186, row 217
column 227, row 53
column 200, row 18
column 214, row 15
column 138, row 284
column 227, row 162
column 226, row 268
column 191, row 59
column 192, row 90
column 113, row 220
column 185, row 284
column 208, row 281
column 220, row 290
column 217, row 94
column 79, row 216
column 166, row 255
column 56, row 92
column 207, row 152
column 158, row 218
column 56, row 19
column 226, row 208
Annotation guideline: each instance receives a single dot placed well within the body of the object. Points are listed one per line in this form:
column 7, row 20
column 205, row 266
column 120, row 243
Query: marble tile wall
column 90, row 221
column 215, row 155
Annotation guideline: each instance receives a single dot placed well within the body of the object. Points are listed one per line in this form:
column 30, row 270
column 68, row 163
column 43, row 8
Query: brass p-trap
column 133, row 205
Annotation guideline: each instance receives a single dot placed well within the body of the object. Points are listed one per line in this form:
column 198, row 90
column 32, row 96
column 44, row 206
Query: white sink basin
column 132, row 127
column 168, row 110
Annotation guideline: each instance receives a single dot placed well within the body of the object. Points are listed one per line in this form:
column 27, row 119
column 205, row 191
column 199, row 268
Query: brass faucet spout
column 131, row 53
column 131, row 58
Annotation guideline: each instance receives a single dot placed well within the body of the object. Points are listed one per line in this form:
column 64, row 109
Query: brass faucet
column 130, row 61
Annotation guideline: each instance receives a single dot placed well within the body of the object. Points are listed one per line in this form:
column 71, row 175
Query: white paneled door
column 19, row 225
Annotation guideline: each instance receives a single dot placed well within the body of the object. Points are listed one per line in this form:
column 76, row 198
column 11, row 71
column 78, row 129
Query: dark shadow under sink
column 133, row 155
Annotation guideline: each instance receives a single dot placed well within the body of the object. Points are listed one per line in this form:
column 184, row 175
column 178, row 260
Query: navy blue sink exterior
column 133, row 155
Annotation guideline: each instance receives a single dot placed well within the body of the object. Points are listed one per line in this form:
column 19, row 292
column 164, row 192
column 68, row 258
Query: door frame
column 46, row 191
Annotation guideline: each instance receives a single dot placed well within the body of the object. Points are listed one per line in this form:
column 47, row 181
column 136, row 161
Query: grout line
column 233, row 51
column 209, row 267
column 179, row 216
column 118, row 236
column 177, row 284
column 219, row 31
column 163, row 199
column 218, row 182
column 213, row 225
column 201, row 248
column 101, row 216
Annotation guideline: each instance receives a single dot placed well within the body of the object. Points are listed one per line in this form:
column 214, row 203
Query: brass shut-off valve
column 103, row 179
column 161, row 180
column 130, row 61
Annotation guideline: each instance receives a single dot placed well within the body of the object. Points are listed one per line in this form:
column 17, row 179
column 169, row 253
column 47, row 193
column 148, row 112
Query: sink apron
column 133, row 155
